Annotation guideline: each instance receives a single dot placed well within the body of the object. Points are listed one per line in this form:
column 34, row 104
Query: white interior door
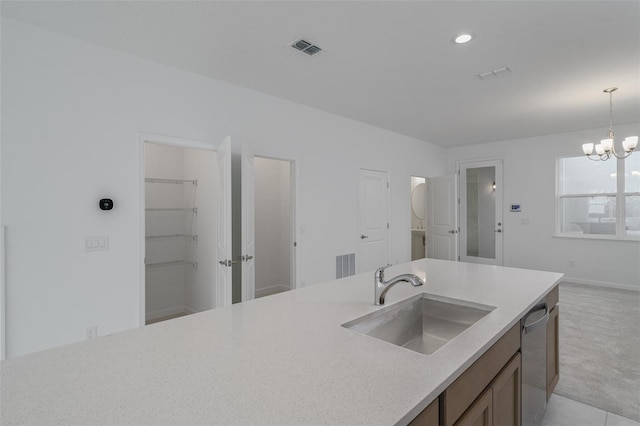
column 224, row 262
column 481, row 222
column 373, row 246
column 442, row 218
column 248, row 226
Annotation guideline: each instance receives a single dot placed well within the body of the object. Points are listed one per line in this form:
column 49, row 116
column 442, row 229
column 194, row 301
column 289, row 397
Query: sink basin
column 423, row 323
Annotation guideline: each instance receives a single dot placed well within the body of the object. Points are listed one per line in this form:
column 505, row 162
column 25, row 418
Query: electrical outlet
column 91, row 332
column 572, row 264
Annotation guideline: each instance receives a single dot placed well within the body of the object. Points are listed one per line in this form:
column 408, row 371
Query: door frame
column 359, row 251
column 426, row 215
column 159, row 140
column 432, row 229
column 294, row 176
column 499, row 206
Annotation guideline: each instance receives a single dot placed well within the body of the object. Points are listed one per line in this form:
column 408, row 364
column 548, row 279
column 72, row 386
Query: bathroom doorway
column 274, row 187
column 418, row 215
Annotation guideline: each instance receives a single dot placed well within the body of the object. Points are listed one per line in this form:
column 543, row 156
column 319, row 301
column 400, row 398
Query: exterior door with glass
column 481, row 222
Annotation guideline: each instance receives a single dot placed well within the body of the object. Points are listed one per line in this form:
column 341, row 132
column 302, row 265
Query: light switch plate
column 96, row 243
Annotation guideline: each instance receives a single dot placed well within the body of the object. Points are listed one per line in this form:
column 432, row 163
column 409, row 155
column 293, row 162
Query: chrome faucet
column 382, row 286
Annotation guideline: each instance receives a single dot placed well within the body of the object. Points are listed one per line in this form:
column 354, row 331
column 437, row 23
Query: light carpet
column 600, row 348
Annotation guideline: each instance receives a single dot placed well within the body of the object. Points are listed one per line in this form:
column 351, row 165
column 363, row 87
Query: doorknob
column 498, row 230
column 245, row 258
column 362, row 237
column 453, row 231
column 227, row 262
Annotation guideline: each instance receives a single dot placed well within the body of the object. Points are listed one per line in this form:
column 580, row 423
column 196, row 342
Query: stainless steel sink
column 423, row 323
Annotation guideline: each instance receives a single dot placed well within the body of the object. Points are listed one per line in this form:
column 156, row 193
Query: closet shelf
column 152, row 237
column 171, row 264
column 194, row 210
column 172, row 181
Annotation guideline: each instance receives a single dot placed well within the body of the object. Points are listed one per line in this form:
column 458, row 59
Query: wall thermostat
column 106, row 204
column 515, row 207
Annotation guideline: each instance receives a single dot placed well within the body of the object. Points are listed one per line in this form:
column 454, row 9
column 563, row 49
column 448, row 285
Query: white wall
column 530, row 180
column 202, row 166
column 272, row 223
column 72, row 113
column 165, row 287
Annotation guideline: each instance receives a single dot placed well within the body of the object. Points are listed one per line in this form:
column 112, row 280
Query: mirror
column 418, row 201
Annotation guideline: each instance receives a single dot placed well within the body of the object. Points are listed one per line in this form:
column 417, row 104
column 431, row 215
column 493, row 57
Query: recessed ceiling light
column 462, row 38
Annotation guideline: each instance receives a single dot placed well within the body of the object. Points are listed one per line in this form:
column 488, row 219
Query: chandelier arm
column 621, row 157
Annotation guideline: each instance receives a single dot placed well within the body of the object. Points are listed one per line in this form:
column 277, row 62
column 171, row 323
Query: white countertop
column 283, row 359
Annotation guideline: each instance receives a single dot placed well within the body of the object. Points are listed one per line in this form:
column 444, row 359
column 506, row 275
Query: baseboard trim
column 150, row 316
column 606, row 284
column 267, row 291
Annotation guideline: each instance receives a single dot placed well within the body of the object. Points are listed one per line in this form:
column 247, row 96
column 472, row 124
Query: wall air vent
column 493, row 73
column 306, row 47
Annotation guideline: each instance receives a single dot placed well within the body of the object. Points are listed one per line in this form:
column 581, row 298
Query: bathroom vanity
column 288, row 359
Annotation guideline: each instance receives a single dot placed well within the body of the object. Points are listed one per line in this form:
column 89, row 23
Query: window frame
column 620, row 197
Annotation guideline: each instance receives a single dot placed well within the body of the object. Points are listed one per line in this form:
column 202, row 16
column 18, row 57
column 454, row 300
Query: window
column 599, row 198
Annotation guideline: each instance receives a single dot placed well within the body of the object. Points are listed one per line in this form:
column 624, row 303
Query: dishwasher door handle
column 526, row 329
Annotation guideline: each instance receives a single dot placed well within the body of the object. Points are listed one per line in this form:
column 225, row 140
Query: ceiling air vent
column 493, row 73
column 306, row 47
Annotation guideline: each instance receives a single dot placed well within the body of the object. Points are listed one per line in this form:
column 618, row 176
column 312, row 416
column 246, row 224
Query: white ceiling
column 391, row 64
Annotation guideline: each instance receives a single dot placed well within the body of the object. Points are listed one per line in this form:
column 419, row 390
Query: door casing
column 161, row 140
column 498, row 230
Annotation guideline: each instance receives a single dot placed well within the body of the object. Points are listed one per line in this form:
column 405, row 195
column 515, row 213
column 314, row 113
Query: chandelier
column 606, row 149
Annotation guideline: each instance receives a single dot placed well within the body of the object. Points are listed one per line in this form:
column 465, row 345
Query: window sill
column 632, row 239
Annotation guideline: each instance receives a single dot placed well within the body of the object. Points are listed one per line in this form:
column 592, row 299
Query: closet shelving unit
column 189, row 226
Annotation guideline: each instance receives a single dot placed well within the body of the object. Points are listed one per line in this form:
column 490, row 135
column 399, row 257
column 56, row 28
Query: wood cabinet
column 480, row 413
column 553, row 354
column 430, row 416
column 499, row 404
column 462, row 393
column 553, row 336
column 489, row 392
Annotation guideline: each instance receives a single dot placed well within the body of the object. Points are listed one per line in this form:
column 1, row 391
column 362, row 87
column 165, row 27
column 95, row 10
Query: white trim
column 274, row 289
column 174, row 141
column 605, row 284
column 150, row 316
column 3, row 342
column 294, row 178
column 359, row 254
column 601, row 237
column 499, row 164
column 161, row 140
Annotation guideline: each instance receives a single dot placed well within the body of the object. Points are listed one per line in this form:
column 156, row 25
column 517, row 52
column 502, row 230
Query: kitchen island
column 283, row 359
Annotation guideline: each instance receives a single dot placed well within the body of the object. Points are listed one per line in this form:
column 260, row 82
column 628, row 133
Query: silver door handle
column 528, row 328
column 245, row 258
column 453, row 231
column 498, row 230
column 227, row 262
column 362, row 237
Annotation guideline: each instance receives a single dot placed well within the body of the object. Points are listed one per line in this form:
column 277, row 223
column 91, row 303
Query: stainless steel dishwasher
column 534, row 364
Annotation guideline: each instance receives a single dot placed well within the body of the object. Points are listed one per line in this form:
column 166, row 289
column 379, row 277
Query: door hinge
column 295, row 244
column 387, row 184
column 387, row 225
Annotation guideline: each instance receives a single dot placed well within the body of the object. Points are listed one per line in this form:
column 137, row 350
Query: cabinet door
column 553, row 354
column 480, row 413
column 429, row 416
column 506, row 394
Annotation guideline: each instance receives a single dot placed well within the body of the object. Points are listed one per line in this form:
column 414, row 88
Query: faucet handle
column 380, row 271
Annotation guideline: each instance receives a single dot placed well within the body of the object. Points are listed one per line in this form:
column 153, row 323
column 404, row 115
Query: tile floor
column 563, row 411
